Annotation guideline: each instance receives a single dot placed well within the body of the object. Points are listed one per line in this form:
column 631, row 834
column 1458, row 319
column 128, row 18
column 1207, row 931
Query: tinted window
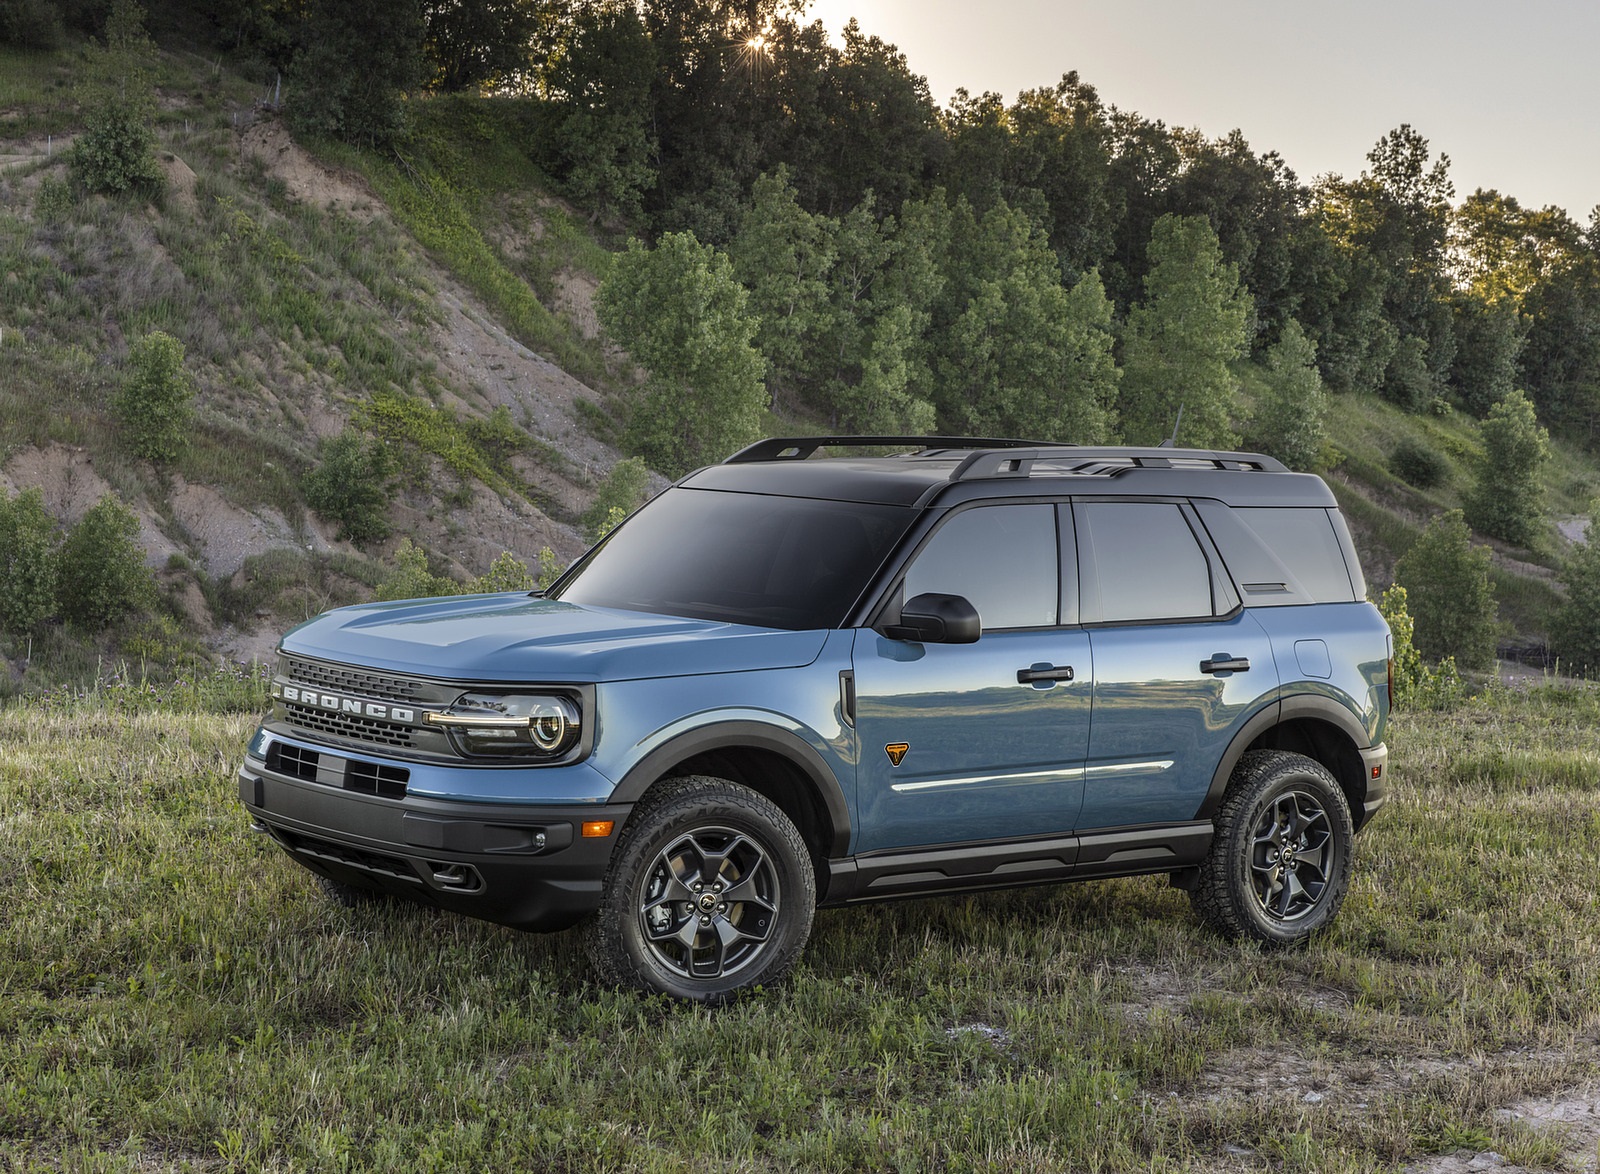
column 781, row 562
column 1002, row 558
column 1304, row 541
column 1143, row 561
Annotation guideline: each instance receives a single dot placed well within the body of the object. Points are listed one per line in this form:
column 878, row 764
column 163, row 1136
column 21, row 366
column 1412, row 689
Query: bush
column 1447, row 581
column 1575, row 630
column 103, row 576
column 1419, row 464
column 411, row 578
column 1416, row 686
column 29, row 562
column 621, row 492
column 351, row 486
column 116, row 151
column 156, row 402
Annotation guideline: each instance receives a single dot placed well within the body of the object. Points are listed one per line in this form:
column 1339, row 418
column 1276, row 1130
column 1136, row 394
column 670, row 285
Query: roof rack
column 799, row 448
column 988, row 457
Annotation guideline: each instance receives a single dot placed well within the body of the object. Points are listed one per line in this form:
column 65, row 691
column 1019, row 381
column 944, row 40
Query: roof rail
column 1019, row 463
column 798, row 448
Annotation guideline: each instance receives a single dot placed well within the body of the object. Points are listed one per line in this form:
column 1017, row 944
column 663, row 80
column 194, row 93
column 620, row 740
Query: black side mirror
column 932, row 618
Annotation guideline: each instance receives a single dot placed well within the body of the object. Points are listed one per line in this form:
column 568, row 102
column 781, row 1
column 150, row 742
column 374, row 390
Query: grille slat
column 378, row 686
column 345, row 725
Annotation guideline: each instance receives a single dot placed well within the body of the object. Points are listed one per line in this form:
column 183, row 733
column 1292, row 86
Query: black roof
column 954, row 469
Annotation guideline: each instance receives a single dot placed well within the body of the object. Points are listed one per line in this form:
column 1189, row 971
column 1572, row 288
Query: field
column 174, row 994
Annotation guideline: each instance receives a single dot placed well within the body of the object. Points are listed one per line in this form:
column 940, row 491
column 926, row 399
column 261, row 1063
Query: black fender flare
column 740, row 735
column 1294, row 708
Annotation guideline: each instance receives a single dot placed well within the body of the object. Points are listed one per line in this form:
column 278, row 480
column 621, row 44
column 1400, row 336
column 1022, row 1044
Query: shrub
column 351, row 486
column 1447, row 583
column 156, row 402
column 52, row 203
column 1575, row 630
column 1419, row 464
column 506, row 573
column 621, row 492
column 103, row 576
column 116, row 151
column 1416, row 686
column 1508, row 501
column 29, row 562
column 411, row 578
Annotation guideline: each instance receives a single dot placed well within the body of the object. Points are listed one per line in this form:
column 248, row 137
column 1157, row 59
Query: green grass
column 176, row 994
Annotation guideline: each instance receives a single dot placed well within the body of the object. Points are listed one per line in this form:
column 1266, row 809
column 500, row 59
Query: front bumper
column 523, row 865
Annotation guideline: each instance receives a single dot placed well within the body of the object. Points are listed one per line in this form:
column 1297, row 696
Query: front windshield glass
column 743, row 558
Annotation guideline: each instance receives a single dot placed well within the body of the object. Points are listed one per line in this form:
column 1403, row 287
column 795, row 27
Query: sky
column 1510, row 92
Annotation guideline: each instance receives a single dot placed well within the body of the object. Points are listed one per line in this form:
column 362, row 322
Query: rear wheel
column 710, row 892
column 1279, row 863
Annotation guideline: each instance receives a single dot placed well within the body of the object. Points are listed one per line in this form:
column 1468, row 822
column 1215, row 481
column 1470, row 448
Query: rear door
column 1179, row 665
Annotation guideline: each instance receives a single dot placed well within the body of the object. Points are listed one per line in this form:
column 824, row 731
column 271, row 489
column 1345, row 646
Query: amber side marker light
column 598, row 829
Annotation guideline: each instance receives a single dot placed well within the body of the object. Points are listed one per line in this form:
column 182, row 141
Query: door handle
column 1223, row 663
column 1044, row 672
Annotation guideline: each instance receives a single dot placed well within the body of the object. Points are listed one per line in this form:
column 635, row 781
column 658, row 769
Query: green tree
column 620, row 492
column 358, row 61
column 1288, row 417
column 1489, row 339
column 103, row 575
column 351, row 485
column 1180, row 340
column 678, row 310
column 116, row 151
column 156, row 401
column 1447, row 581
column 29, row 562
column 1508, row 499
column 411, row 578
column 1416, row 684
column 1575, row 629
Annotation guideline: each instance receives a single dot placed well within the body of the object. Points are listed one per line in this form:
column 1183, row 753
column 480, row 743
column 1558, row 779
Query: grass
column 176, row 994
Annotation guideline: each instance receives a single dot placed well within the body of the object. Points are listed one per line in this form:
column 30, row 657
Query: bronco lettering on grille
column 341, row 704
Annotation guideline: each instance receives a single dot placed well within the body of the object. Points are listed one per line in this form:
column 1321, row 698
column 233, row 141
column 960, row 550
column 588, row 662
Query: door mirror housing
column 932, row 618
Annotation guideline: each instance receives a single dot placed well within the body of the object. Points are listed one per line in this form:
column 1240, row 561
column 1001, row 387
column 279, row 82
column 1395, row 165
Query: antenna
column 1172, row 441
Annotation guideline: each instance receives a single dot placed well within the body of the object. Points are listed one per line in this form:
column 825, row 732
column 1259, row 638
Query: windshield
column 743, row 558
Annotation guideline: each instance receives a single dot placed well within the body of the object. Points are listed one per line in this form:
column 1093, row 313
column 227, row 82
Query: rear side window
column 1142, row 562
column 1281, row 556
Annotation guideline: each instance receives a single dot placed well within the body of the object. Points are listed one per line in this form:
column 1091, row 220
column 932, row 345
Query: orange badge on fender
column 896, row 751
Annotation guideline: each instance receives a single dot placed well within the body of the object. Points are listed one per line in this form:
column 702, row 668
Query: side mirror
column 936, row 619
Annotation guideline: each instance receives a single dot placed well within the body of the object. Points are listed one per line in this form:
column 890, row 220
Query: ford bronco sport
column 804, row 678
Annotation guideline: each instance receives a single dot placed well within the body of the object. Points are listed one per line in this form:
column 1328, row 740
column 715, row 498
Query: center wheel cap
column 708, row 902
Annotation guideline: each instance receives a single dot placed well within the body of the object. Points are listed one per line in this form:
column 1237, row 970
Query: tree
column 29, row 562
column 1416, row 685
column 358, row 60
column 622, row 491
column 473, row 44
column 1488, row 340
column 116, row 152
column 1575, row 629
column 1288, row 417
column 1447, row 582
column 1180, row 339
column 103, row 576
column 684, row 318
column 1508, row 500
column 351, row 485
column 156, row 401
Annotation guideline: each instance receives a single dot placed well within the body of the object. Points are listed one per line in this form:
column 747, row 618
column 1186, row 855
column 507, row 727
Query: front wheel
column 710, row 892
column 1279, row 863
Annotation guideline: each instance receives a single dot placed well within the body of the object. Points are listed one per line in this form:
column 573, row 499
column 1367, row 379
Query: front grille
column 374, row 778
column 293, row 761
column 379, row 686
column 333, row 770
column 347, row 725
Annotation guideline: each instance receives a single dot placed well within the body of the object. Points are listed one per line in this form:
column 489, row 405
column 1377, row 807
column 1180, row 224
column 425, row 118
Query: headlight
column 511, row 725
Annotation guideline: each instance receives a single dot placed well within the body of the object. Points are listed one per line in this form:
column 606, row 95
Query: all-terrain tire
column 1279, row 863
column 710, row 892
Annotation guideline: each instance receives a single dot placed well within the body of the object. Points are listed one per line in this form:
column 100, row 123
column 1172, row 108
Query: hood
column 514, row 638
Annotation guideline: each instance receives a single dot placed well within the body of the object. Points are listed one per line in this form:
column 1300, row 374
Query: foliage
column 1489, row 340
column 1416, row 684
column 52, row 203
column 359, row 58
column 1418, row 463
column 156, row 401
column 1288, row 421
column 1180, row 339
column 115, row 152
column 1508, row 499
column 411, row 578
column 351, row 485
column 103, row 575
column 30, row 24
column 680, row 313
column 1575, row 629
column 1451, row 600
column 29, row 562
column 620, row 492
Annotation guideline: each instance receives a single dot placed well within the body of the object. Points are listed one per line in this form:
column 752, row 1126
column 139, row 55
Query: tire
column 1279, row 863
column 710, row 892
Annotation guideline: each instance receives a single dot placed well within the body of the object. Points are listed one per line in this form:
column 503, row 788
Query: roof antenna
column 1172, row 441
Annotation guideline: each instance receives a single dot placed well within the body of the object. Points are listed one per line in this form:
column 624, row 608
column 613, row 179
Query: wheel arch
column 773, row 762
column 1317, row 727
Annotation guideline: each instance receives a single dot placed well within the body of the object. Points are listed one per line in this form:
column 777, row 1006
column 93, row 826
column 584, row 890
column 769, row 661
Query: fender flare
column 745, row 735
column 1286, row 709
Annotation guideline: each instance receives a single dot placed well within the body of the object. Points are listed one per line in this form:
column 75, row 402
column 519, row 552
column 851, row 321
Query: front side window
column 741, row 558
column 1001, row 558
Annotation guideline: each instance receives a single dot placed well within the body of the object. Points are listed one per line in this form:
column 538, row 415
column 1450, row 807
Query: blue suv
column 807, row 677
